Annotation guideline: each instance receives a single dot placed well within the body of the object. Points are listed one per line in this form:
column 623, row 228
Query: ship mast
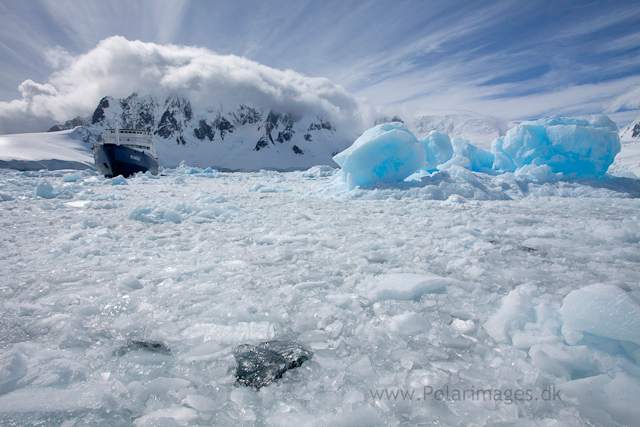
column 135, row 119
column 117, row 130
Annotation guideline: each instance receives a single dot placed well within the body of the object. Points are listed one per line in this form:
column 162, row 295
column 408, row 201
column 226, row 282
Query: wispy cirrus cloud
column 504, row 57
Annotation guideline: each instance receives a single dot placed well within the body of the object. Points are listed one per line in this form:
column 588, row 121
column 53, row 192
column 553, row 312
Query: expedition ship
column 125, row 152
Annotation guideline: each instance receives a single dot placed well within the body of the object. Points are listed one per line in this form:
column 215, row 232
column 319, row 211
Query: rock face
column 238, row 138
column 260, row 365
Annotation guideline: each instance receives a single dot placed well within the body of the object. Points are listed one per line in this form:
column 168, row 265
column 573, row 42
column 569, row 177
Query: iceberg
column 384, row 153
column 438, row 149
column 469, row 157
column 574, row 147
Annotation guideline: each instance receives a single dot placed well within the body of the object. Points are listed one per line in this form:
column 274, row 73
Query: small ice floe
column 260, row 365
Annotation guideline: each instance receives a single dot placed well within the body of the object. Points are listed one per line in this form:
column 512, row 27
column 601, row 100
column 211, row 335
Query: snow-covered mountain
column 480, row 130
column 631, row 133
column 239, row 137
column 70, row 124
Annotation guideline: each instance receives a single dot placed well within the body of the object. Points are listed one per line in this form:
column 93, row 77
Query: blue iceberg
column 438, row 149
column 572, row 147
column 469, row 157
column 384, row 153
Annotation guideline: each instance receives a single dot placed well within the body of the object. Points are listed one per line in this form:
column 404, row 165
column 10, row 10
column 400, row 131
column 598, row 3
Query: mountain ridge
column 241, row 138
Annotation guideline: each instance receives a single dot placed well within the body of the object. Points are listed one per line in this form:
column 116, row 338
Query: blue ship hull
column 113, row 160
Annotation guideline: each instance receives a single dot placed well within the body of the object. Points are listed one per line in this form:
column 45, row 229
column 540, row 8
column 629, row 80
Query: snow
column 124, row 304
column 49, row 150
column 572, row 147
column 627, row 162
column 384, row 153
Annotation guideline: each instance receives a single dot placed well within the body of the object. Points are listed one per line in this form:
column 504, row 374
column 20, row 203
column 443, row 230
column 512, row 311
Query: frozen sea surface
column 123, row 301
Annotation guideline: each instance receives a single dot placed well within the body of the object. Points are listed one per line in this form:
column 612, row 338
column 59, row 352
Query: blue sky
column 509, row 59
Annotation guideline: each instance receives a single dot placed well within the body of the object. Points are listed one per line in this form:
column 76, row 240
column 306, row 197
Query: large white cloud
column 118, row 67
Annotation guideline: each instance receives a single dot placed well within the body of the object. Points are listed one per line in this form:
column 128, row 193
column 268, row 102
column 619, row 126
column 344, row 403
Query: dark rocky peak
column 246, row 115
column 98, row 115
column 178, row 113
column 275, row 119
column 129, row 106
column 147, row 110
column 394, row 119
column 70, row 124
column 178, row 105
column 320, row 125
column 204, row 130
column 635, row 133
column 273, row 122
column 208, row 129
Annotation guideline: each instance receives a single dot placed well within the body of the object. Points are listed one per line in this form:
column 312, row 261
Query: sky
column 514, row 60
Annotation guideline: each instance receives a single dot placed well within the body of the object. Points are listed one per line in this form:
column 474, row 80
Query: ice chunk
column 365, row 415
column 73, row 177
column 404, row 286
column 384, row 153
column 45, row 189
column 604, row 310
column 469, row 157
column 438, row 149
column 199, row 403
column 568, row 146
column 515, row 311
column 173, row 216
column 118, row 180
column 259, row 366
column 561, row 360
column 241, row 331
column 612, row 395
column 52, row 399
column 177, row 415
column 13, row 366
column 408, row 324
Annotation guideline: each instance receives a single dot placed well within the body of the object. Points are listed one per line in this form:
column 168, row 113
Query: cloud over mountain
column 118, row 67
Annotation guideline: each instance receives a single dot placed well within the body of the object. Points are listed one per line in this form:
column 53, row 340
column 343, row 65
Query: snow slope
column 480, row 130
column 627, row 162
column 631, row 133
column 46, row 150
column 455, row 282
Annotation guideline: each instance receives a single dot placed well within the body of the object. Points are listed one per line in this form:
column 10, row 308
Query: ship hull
column 113, row 160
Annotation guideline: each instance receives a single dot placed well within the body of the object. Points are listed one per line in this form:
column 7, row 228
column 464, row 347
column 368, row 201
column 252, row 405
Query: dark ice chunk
column 260, row 365
column 150, row 346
